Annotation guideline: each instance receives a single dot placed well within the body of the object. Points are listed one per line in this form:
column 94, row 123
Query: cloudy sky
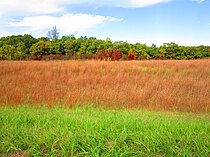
column 186, row 22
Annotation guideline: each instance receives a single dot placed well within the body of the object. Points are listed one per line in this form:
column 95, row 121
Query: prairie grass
column 169, row 85
column 86, row 131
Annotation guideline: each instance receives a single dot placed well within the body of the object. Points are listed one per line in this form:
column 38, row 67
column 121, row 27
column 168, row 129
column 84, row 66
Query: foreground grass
column 60, row 131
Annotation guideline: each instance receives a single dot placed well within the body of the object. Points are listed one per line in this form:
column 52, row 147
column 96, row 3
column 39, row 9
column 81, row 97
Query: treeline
column 26, row 47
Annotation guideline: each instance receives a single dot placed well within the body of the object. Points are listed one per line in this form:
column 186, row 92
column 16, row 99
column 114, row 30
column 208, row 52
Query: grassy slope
column 60, row 131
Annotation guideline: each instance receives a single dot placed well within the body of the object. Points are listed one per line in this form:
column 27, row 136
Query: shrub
column 110, row 55
column 131, row 55
column 40, row 48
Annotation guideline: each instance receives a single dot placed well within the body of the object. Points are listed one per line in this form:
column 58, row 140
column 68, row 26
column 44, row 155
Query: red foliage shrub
column 110, row 55
column 131, row 56
column 116, row 55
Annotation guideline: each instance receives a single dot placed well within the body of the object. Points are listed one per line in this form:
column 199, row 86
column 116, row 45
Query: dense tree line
column 70, row 47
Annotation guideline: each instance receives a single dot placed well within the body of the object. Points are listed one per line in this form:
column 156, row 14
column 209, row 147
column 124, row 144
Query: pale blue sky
column 186, row 22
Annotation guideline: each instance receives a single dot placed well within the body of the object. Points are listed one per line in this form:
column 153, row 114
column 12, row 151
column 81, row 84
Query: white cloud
column 198, row 1
column 144, row 3
column 22, row 7
column 18, row 7
column 36, row 16
column 67, row 23
column 126, row 3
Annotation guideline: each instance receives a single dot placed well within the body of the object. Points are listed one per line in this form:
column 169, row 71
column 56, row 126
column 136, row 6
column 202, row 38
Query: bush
column 40, row 48
column 110, row 55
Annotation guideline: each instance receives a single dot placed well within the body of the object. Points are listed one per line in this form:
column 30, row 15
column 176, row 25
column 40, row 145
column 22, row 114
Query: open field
column 98, row 108
column 154, row 85
column 60, row 131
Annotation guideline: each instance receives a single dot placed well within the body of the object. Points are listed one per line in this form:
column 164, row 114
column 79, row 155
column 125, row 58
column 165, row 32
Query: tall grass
column 60, row 131
column 155, row 85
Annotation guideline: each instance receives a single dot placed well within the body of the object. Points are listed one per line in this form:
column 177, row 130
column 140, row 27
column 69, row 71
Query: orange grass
column 169, row 85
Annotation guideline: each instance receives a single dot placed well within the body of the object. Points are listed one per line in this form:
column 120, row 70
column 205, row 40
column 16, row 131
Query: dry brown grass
column 154, row 85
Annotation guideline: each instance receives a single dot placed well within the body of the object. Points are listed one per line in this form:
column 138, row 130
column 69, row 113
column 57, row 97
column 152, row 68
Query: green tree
column 14, row 40
column 57, row 48
column 122, row 46
column 92, row 45
column 7, row 52
column 28, row 40
column 40, row 48
column 20, row 51
column 169, row 50
column 142, row 50
column 153, row 51
column 70, row 46
column 82, row 45
column 204, row 50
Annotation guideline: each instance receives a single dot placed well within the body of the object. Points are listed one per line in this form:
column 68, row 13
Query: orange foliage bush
column 169, row 85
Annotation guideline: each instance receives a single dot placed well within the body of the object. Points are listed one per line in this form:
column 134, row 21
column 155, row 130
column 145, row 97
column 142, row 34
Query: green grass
column 60, row 131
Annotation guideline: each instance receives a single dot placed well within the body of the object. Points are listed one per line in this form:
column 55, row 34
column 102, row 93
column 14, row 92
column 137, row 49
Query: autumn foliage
column 110, row 55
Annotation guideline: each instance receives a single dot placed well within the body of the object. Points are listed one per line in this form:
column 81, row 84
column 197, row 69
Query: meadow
column 105, row 108
column 168, row 85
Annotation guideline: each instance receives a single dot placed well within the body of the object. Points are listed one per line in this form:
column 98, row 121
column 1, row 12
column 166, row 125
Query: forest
column 26, row 47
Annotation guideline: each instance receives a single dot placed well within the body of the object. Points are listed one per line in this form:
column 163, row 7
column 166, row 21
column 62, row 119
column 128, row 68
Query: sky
column 186, row 22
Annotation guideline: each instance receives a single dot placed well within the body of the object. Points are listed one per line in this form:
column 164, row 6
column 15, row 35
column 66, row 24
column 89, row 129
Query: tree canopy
column 69, row 47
